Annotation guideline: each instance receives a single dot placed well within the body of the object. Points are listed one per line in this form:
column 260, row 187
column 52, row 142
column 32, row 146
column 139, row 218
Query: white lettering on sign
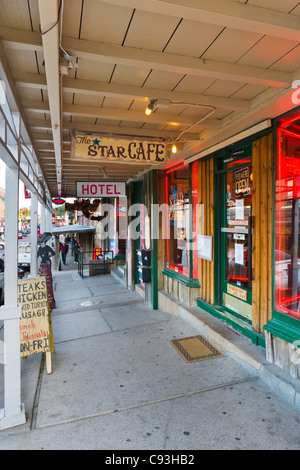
column 95, row 189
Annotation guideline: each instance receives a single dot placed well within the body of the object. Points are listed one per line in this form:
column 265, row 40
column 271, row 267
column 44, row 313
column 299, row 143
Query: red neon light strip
column 292, row 134
column 287, row 123
column 175, row 168
column 194, row 219
column 279, row 212
column 288, row 299
column 167, row 221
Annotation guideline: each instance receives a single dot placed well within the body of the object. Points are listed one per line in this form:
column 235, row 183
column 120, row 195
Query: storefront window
column 177, row 198
column 287, row 246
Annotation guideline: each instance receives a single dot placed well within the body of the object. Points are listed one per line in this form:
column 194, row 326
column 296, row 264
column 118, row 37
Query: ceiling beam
column 95, row 88
column 134, row 57
column 235, row 15
column 43, row 124
column 49, row 16
column 122, row 115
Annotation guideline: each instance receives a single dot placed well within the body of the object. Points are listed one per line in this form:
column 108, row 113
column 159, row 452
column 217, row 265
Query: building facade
column 229, row 241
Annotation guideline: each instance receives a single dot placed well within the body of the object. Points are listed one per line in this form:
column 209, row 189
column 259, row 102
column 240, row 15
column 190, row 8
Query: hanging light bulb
column 150, row 107
column 174, row 148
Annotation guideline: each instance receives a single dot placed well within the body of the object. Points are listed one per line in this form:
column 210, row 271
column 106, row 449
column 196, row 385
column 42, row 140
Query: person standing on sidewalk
column 76, row 251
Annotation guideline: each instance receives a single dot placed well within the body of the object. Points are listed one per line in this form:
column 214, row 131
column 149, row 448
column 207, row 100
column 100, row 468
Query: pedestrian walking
column 64, row 250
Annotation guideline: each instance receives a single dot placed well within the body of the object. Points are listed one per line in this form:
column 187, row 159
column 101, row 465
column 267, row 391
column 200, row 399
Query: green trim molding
column 239, row 324
column 186, row 281
column 284, row 327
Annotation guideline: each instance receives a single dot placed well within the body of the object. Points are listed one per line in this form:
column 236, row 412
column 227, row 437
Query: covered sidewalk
column 118, row 383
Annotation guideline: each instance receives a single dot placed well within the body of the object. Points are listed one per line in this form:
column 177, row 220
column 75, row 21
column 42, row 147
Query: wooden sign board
column 35, row 325
column 85, row 147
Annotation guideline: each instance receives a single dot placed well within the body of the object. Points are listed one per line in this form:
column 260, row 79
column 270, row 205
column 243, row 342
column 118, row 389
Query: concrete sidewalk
column 118, row 383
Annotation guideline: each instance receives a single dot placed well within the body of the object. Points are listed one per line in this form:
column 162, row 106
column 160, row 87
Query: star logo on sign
column 96, row 142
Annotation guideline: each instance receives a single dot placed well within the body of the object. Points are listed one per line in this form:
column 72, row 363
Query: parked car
column 2, row 243
column 24, row 257
column 21, row 274
column 20, row 235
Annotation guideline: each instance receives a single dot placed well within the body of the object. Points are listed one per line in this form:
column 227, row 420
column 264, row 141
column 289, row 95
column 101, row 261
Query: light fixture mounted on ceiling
column 150, row 107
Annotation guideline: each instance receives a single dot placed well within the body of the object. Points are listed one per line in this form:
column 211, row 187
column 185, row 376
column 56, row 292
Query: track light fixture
column 150, row 107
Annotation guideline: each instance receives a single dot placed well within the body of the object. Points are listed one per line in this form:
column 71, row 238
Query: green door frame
column 221, row 222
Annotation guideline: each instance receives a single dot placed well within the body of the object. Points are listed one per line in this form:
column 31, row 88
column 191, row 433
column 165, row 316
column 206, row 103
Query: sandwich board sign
column 35, row 324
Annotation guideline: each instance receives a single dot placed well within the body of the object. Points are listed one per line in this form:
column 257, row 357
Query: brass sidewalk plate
column 195, row 348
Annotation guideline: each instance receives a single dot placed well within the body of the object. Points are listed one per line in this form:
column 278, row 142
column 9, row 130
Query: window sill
column 186, row 281
column 284, row 327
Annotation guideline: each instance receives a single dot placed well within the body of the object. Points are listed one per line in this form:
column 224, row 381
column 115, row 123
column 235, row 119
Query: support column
column 48, row 221
column 34, row 225
column 13, row 413
column 43, row 219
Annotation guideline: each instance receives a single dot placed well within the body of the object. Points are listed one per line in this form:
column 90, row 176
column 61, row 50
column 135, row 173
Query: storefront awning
column 75, row 228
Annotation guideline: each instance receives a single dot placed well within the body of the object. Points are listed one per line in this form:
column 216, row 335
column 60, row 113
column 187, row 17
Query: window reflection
column 287, row 247
column 177, row 195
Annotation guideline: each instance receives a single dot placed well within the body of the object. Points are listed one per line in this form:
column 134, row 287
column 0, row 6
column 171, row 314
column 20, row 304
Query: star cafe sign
column 97, row 148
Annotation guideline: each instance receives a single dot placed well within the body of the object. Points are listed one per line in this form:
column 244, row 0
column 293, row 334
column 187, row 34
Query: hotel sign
column 101, row 149
column 102, row 189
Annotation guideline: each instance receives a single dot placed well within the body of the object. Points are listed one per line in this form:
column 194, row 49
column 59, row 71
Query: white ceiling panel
column 72, row 18
column 91, row 70
column 22, row 60
column 296, row 11
column 193, row 84
column 285, row 6
column 129, row 75
column 193, row 38
column 150, row 31
column 163, row 80
column 103, row 22
column 87, row 100
column 290, row 62
column 248, row 91
column 15, row 14
column 117, row 103
column 267, row 51
column 231, row 44
column 223, row 88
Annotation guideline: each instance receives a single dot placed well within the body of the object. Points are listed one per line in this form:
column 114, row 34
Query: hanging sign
column 35, row 324
column 98, row 148
column 58, row 200
column 96, row 189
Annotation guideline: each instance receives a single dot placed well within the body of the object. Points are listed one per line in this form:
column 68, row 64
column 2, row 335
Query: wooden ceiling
column 93, row 66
